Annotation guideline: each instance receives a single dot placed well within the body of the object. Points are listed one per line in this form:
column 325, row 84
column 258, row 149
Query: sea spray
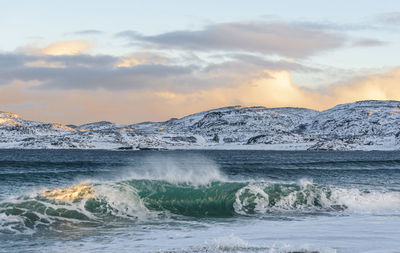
column 190, row 169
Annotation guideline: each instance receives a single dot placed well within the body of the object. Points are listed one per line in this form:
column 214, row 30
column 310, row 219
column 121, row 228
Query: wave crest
column 140, row 198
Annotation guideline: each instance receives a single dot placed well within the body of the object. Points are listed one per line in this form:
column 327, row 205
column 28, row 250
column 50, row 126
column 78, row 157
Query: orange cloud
column 273, row 90
column 142, row 58
column 67, row 47
column 278, row 90
column 71, row 47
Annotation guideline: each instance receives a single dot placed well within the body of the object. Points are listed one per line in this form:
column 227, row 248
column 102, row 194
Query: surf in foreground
column 130, row 200
column 199, row 201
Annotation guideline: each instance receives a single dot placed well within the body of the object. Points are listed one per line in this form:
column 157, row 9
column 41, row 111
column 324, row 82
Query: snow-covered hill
column 361, row 125
column 364, row 125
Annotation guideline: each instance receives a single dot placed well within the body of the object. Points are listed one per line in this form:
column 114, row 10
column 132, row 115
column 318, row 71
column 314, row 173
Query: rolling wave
column 130, row 200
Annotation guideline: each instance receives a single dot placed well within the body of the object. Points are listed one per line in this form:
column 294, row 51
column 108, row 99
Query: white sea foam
column 251, row 195
column 228, row 244
column 266, row 197
column 123, row 200
column 235, row 244
column 367, row 202
column 13, row 224
column 305, row 248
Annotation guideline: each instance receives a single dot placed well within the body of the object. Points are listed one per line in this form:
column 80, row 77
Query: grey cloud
column 331, row 26
column 369, row 43
column 88, row 32
column 283, row 39
column 81, row 78
column 84, row 60
column 392, row 18
column 275, row 65
column 128, row 34
column 86, row 72
column 12, row 60
column 149, row 57
column 137, row 77
column 246, row 63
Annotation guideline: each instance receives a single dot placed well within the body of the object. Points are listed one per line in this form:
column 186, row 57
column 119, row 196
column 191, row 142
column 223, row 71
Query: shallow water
column 199, row 201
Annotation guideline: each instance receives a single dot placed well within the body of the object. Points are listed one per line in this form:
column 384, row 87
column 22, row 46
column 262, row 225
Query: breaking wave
column 130, row 200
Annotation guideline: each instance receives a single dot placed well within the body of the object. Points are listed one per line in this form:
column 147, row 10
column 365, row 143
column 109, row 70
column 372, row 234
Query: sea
column 199, row 201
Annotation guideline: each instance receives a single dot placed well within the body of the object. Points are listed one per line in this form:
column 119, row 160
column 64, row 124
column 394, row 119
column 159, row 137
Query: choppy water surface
column 199, row 201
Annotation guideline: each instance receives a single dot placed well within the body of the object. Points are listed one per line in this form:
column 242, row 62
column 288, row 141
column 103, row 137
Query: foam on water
column 367, row 202
column 304, row 196
column 235, row 244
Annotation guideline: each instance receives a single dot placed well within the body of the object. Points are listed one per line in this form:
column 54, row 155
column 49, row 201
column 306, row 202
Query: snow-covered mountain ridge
column 363, row 125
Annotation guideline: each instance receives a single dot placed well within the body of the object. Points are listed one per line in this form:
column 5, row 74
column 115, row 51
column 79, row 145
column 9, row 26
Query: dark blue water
column 198, row 201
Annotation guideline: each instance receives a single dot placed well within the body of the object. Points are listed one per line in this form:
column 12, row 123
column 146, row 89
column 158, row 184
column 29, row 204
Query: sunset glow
column 125, row 70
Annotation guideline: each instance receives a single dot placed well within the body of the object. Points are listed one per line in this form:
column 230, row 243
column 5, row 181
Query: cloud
column 155, row 85
column 19, row 61
column 88, row 32
column 136, row 71
column 368, row 43
column 274, row 89
column 392, row 18
column 278, row 38
column 68, row 47
column 239, row 62
column 137, row 77
column 140, row 58
column 333, row 26
column 128, row 34
column 72, row 47
column 278, row 90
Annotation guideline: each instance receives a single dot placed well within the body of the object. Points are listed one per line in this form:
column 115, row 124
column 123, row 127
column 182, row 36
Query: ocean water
column 199, row 201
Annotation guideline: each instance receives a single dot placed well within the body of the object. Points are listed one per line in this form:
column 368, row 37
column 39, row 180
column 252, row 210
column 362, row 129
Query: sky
column 131, row 61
